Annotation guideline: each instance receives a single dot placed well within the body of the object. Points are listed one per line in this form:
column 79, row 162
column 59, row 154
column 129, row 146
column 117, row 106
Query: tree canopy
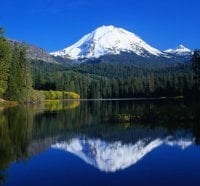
column 196, row 65
column 15, row 71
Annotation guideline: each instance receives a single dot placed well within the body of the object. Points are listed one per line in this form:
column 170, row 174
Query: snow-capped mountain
column 108, row 40
column 114, row 156
column 180, row 51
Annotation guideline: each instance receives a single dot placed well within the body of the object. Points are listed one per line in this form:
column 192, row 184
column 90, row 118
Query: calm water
column 100, row 143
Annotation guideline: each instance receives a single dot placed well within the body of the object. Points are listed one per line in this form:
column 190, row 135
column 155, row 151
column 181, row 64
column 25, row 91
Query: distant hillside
column 36, row 53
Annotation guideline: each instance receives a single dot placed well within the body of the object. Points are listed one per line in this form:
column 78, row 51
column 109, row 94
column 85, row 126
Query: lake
column 100, row 143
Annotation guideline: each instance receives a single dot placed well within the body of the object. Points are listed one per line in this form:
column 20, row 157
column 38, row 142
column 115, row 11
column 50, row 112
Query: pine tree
column 5, row 57
column 25, row 75
column 20, row 80
column 196, row 66
column 13, row 90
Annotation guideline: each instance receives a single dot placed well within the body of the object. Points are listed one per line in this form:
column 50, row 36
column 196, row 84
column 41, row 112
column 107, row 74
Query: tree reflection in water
column 25, row 131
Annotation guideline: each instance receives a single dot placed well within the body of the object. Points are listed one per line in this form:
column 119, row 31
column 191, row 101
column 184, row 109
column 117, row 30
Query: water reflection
column 110, row 135
column 114, row 156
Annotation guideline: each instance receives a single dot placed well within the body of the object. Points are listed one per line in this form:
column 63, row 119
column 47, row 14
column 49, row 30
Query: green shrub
column 55, row 95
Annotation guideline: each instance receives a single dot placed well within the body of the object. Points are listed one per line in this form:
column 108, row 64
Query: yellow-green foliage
column 36, row 96
column 71, row 95
column 4, row 103
column 54, row 95
column 56, row 105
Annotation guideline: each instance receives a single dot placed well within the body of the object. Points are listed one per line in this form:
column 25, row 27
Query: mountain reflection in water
column 109, row 135
column 114, row 156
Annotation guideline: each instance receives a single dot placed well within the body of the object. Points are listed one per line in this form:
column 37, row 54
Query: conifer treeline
column 5, row 57
column 115, row 80
column 15, row 72
column 99, row 80
column 196, row 67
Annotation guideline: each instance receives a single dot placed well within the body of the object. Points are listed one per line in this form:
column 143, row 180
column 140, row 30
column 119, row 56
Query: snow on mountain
column 180, row 50
column 114, row 156
column 107, row 40
column 182, row 143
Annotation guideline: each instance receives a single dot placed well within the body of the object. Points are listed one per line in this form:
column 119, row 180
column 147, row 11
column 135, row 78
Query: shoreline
column 6, row 103
column 123, row 99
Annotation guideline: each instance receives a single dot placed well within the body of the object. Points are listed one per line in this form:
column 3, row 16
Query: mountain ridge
column 107, row 40
column 110, row 40
column 34, row 52
column 109, row 156
column 111, row 45
column 180, row 50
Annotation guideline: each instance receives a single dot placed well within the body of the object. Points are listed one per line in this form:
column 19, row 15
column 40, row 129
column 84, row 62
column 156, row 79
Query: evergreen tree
column 5, row 57
column 13, row 90
column 196, row 66
column 25, row 75
column 103, row 80
column 20, row 80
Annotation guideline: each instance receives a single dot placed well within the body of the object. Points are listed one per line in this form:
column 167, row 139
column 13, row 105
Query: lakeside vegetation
column 5, row 103
column 106, row 80
column 55, row 95
column 27, row 81
column 16, row 83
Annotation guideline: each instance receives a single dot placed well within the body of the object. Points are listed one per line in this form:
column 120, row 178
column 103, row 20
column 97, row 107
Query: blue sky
column 55, row 24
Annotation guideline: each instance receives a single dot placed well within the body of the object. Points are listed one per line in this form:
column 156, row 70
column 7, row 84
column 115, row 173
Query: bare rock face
column 36, row 53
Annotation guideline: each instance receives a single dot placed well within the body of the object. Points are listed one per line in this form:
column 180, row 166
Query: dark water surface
column 100, row 143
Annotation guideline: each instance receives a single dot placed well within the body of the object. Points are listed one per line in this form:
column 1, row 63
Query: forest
column 21, row 78
column 105, row 80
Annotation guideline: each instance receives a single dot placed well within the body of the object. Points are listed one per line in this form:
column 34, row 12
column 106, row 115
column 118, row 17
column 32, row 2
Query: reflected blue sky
column 84, row 145
column 165, row 165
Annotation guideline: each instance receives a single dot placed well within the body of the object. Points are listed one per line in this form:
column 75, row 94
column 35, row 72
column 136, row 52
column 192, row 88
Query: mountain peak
column 106, row 27
column 107, row 40
column 181, row 46
column 113, row 156
column 180, row 50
